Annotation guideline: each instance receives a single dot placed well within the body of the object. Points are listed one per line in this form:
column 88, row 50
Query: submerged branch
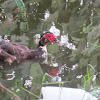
column 14, row 95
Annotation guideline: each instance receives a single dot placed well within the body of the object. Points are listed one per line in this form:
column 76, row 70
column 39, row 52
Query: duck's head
column 48, row 37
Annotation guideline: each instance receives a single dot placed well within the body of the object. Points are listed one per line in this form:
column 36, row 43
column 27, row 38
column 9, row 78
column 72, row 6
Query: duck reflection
column 28, row 68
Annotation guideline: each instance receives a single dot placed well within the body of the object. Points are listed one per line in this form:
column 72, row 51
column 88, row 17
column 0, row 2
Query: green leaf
column 85, row 81
column 43, row 79
column 88, row 76
column 30, row 93
column 94, row 45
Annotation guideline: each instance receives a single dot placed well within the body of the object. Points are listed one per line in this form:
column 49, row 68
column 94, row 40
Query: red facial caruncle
column 50, row 37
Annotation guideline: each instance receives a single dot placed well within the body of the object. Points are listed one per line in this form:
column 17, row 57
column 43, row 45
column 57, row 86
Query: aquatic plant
column 94, row 45
column 61, row 84
column 44, row 83
column 9, row 91
column 21, row 7
column 87, row 83
column 87, row 78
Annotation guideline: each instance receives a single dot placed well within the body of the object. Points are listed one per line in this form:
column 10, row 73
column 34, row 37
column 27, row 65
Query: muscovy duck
column 10, row 52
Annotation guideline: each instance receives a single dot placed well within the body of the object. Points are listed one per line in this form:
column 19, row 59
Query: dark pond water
column 75, row 22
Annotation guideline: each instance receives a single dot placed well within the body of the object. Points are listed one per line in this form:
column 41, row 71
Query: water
column 75, row 23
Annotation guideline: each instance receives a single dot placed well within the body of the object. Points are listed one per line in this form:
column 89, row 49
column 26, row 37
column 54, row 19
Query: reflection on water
column 54, row 30
column 11, row 75
column 46, row 16
column 72, row 21
column 65, row 40
column 23, row 39
column 28, row 82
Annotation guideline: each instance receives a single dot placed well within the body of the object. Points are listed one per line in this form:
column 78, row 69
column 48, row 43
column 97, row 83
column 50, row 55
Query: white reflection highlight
column 81, row 2
column 94, row 78
column 6, row 38
column 55, row 64
column 12, row 74
column 65, row 40
column 18, row 90
column 46, row 16
column 74, row 66
column 54, row 30
column 28, row 83
column 79, row 76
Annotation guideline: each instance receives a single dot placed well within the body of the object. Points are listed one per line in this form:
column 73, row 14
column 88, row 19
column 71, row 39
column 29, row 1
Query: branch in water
column 14, row 95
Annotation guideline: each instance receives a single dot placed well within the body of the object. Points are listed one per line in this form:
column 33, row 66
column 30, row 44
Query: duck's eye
column 49, row 36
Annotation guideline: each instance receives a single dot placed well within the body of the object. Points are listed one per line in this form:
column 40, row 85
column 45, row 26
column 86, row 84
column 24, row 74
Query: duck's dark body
column 18, row 51
column 13, row 51
column 10, row 52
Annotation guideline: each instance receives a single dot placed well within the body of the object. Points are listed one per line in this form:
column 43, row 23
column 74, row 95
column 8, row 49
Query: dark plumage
column 10, row 52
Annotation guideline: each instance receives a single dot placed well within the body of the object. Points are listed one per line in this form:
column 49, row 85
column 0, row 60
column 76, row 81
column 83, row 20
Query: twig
column 14, row 95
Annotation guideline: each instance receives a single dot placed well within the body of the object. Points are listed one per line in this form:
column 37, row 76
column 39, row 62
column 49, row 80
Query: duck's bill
column 57, row 41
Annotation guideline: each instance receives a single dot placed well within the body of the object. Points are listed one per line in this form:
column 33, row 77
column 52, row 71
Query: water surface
column 75, row 22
